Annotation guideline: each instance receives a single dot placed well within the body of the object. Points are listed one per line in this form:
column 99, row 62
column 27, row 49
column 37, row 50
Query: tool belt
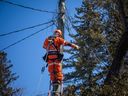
column 53, row 55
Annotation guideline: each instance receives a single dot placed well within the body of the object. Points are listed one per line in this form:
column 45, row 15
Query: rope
column 49, row 91
column 38, row 85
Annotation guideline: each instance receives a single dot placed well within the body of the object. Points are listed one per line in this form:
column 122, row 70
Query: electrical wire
column 26, row 37
column 69, row 23
column 16, row 31
column 19, row 5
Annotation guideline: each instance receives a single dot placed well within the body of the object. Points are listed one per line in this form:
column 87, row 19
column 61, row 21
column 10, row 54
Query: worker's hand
column 76, row 46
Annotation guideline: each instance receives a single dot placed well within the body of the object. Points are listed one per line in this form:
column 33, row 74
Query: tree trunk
column 121, row 48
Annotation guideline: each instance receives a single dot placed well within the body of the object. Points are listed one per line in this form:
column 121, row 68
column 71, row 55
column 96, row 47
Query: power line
column 69, row 21
column 16, row 31
column 19, row 5
column 26, row 37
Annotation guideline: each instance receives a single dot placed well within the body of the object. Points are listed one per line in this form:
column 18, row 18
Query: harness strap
column 54, row 63
column 56, row 92
column 50, row 50
column 52, row 53
column 56, row 84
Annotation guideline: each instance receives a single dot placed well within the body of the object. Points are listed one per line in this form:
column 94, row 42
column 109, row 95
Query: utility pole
column 61, row 15
column 57, row 87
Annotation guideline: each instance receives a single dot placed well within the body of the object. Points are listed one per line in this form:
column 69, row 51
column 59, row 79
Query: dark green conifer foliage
column 90, row 27
column 7, row 77
column 99, row 27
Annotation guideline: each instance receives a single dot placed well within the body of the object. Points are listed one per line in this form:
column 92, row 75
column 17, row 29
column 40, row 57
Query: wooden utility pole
column 61, row 15
column 57, row 88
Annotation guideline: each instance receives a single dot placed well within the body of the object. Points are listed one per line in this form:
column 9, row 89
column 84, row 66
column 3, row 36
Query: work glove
column 76, row 46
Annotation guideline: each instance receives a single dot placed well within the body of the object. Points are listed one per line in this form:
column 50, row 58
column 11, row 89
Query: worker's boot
column 56, row 94
column 56, row 88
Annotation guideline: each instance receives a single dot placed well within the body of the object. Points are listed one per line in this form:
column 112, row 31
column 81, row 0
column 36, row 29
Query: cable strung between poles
column 26, row 37
column 9, row 33
column 12, row 32
column 34, row 9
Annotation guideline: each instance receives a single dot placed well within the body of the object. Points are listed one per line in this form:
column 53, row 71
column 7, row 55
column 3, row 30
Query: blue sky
column 26, row 55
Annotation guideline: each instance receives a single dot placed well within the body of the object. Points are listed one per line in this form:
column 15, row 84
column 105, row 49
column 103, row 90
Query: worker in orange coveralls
column 53, row 45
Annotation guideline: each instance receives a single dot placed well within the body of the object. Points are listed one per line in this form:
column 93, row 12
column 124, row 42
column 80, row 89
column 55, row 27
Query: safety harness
column 57, row 52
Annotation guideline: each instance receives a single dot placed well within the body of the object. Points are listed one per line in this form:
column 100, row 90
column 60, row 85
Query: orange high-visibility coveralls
column 54, row 65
